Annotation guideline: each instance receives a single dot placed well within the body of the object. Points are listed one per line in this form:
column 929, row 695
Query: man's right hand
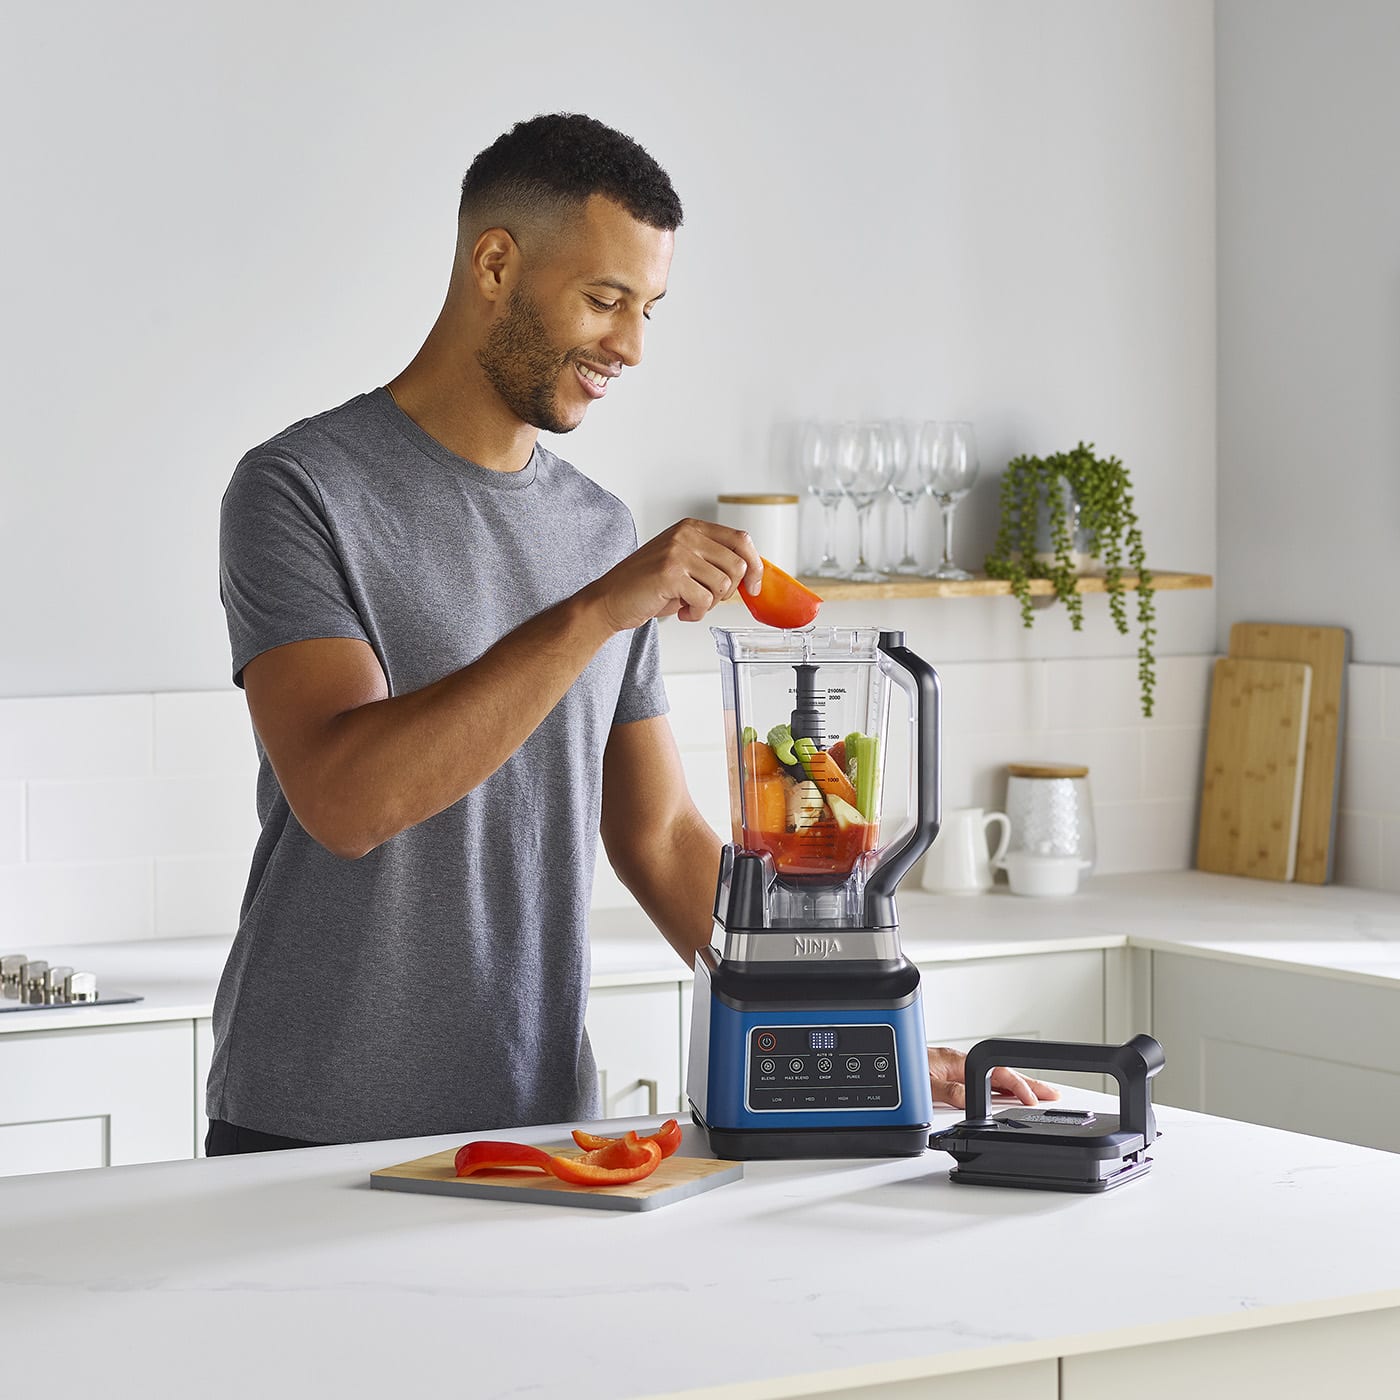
column 683, row 573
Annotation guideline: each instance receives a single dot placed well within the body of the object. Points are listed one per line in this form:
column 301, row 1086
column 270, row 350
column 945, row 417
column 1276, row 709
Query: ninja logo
column 816, row 947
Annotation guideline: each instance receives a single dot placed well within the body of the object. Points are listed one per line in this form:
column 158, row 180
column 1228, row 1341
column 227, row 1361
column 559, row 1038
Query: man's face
column 577, row 316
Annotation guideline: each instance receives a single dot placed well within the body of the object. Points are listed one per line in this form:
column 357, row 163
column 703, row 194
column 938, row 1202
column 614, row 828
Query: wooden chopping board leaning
column 1328, row 651
column 1251, row 791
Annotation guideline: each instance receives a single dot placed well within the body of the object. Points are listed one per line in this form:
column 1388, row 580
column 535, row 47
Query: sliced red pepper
column 667, row 1137
column 618, row 1164
column 500, row 1156
column 781, row 600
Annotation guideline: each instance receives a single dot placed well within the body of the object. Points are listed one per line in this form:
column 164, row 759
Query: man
column 447, row 638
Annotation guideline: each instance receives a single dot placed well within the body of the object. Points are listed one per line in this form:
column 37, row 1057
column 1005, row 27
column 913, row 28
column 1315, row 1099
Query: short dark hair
column 548, row 162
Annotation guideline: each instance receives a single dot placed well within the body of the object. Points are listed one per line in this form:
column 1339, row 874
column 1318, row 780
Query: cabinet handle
column 650, row 1085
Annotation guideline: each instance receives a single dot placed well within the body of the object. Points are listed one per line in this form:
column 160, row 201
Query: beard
column 523, row 366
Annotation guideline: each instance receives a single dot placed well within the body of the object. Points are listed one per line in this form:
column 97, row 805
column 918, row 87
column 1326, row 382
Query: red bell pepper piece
column 500, row 1156
column 781, row 600
column 667, row 1137
column 618, row 1162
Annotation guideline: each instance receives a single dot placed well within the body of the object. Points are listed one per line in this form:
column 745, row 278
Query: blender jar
column 806, row 716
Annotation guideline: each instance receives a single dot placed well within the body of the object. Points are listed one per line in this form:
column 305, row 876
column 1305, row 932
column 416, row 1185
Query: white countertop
column 1333, row 930
column 286, row 1270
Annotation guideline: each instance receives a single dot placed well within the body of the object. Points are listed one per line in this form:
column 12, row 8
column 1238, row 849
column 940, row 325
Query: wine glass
column 863, row 467
column 816, row 469
column 906, row 482
column 948, row 461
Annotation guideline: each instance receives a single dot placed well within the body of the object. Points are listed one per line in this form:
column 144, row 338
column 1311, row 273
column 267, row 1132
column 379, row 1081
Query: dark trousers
column 225, row 1139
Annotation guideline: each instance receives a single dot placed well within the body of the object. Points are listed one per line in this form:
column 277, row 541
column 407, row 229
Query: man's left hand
column 947, row 1074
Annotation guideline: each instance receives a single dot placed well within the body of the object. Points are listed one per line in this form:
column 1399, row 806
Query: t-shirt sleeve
column 643, row 696
column 280, row 576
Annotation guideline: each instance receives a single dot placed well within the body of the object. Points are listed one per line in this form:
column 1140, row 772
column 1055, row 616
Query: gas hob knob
column 12, row 974
column 80, row 987
column 34, row 978
column 55, row 985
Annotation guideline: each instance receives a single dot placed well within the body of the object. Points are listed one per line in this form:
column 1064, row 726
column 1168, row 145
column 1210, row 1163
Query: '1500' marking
column 816, row 947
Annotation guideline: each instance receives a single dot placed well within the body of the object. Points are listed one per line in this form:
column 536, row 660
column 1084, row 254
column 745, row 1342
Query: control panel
column 822, row 1068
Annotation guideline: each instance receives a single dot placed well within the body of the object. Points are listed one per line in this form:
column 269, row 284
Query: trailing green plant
column 1112, row 534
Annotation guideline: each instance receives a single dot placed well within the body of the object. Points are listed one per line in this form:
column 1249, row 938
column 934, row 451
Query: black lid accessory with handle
column 1048, row 1148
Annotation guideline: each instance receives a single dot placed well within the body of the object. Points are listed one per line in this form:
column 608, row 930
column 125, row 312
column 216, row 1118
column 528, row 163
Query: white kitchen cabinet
column 203, row 1055
column 686, row 991
column 1038, row 996
column 95, row 1096
column 636, row 1037
column 1295, row 1050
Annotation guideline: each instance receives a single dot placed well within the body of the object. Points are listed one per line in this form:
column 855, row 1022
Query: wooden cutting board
column 676, row 1178
column 1252, row 787
column 1328, row 651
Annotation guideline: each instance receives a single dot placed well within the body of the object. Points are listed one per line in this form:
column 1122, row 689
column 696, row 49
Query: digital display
column 821, row 1040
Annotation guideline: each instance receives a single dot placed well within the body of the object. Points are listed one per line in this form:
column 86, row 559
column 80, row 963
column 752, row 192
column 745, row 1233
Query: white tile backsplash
column 77, row 736
column 1365, row 702
column 199, row 894
column 132, row 816
column 1370, row 775
column 1182, row 692
column 1173, row 760
column 151, row 817
column 12, row 795
column 1389, row 878
column 1145, row 835
column 1094, row 694
column 1358, row 855
column 1113, row 757
column 197, row 732
column 993, row 697
column 75, row 902
column 1368, row 820
column 1390, row 701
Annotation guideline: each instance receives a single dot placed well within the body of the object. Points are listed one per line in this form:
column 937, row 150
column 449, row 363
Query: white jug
column 958, row 861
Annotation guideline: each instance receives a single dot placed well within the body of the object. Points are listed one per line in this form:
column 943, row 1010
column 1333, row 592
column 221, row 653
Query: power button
column 767, row 1041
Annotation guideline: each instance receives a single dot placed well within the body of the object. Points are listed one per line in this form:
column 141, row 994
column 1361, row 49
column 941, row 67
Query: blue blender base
column 818, row 1080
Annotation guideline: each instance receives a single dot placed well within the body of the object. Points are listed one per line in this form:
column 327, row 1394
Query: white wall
column 1308, row 106
column 223, row 218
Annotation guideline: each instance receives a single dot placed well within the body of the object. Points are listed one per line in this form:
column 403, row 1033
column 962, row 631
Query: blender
column 807, row 1033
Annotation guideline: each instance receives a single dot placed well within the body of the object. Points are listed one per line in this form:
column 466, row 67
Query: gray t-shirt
column 437, row 984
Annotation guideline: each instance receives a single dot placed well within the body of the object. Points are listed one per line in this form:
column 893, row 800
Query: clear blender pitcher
column 806, row 723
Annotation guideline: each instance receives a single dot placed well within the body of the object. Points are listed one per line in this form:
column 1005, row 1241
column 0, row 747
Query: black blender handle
column 1132, row 1064
column 879, row 890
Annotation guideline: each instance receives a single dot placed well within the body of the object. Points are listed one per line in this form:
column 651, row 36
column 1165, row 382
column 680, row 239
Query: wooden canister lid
column 759, row 500
column 1047, row 770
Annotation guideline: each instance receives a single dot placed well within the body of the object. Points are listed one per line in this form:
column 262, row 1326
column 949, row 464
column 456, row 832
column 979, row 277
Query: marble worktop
column 287, row 1269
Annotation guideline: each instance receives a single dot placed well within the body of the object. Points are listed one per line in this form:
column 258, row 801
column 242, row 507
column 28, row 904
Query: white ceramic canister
column 1051, row 810
column 771, row 520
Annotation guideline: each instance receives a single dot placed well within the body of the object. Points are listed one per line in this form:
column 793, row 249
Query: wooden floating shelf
column 980, row 586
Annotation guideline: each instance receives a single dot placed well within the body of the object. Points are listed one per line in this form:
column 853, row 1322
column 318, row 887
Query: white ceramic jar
column 1051, row 809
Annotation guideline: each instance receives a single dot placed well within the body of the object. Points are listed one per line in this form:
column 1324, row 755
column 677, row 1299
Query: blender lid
column 812, row 643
